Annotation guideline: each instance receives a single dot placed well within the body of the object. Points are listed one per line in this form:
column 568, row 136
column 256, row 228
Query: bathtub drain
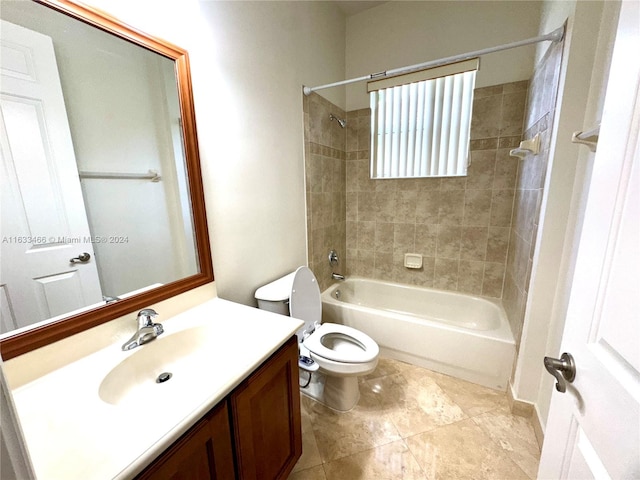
column 163, row 377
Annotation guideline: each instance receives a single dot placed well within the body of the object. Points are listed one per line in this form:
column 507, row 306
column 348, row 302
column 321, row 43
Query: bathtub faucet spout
column 337, row 276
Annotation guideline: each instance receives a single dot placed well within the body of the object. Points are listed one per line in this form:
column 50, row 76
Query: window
column 421, row 122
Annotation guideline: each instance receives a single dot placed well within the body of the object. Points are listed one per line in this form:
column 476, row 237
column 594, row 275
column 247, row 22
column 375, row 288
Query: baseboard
column 537, row 427
column 519, row 407
column 528, row 410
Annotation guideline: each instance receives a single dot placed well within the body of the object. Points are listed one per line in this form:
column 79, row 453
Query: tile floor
column 412, row 423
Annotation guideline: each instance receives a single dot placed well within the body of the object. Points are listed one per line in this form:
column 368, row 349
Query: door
column 266, row 418
column 44, row 222
column 593, row 430
column 203, row 453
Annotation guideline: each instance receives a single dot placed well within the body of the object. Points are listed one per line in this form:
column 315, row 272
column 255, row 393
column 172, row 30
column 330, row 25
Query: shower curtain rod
column 554, row 36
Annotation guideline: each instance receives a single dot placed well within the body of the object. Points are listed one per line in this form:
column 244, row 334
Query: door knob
column 563, row 369
column 82, row 258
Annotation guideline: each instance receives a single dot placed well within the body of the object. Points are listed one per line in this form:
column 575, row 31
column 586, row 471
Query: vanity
column 231, row 408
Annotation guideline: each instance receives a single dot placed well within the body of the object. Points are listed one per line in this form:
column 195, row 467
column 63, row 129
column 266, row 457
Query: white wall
column 397, row 34
column 584, row 70
column 249, row 61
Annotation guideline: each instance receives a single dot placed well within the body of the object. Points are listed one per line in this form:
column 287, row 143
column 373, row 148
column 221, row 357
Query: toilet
column 332, row 356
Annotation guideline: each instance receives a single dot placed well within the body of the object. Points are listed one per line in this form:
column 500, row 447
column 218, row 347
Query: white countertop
column 73, row 433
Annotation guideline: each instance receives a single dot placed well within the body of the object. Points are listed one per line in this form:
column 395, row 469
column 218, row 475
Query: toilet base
column 338, row 393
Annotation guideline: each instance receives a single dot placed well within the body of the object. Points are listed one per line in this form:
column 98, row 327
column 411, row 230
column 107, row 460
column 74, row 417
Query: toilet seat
column 366, row 349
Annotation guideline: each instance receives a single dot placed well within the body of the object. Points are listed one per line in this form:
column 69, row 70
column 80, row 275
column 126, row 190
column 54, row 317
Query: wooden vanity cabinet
column 265, row 411
column 255, row 433
column 204, row 452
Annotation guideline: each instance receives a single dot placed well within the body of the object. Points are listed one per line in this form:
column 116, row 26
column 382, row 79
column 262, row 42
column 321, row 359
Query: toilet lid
column 304, row 302
column 368, row 350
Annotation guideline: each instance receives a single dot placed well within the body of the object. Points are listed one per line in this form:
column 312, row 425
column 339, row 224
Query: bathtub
column 461, row 335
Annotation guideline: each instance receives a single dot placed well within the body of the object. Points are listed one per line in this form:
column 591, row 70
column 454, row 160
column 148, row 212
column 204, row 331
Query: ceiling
column 355, row 6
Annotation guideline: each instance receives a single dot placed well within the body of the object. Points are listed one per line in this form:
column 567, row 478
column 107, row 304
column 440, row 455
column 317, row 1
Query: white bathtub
column 457, row 334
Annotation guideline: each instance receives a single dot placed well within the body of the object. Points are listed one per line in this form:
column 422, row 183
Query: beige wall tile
column 385, row 206
column 473, row 243
column 512, row 141
column 366, row 263
column 485, row 122
column 452, row 183
column 404, row 237
column 531, row 176
column 326, row 184
column 428, row 206
column 366, row 235
column 497, row 244
column 512, row 107
column 483, row 144
column 477, row 207
column 501, row 208
column 446, row 274
column 380, row 217
column 351, row 206
column 482, row 168
column 426, row 238
column 384, row 237
column 384, row 265
column 514, row 302
column 492, row 282
column 406, row 205
column 488, row 91
column 451, row 207
column 506, row 170
column 366, row 206
column 448, row 241
column 470, row 277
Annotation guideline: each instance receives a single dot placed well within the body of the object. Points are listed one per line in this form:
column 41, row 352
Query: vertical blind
column 422, row 128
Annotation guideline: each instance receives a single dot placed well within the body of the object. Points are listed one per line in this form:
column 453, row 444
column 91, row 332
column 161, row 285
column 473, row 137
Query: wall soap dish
column 532, row 145
column 413, row 260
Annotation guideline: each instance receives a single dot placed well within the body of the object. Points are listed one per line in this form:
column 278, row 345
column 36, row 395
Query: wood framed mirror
column 187, row 197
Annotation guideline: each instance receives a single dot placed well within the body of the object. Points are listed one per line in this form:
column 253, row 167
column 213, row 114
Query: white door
column 44, row 222
column 593, row 430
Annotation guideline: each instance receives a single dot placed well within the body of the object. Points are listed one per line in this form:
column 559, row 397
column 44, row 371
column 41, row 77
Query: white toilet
column 340, row 354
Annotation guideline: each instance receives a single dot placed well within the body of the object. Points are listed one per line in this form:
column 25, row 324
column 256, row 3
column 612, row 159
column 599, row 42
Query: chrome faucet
column 147, row 330
column 337, row 276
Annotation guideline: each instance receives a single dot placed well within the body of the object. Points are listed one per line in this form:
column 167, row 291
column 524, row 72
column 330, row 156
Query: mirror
column 102, row 199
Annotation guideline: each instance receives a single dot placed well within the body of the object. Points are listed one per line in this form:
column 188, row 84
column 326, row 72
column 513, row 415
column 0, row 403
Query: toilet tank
column 274, row 296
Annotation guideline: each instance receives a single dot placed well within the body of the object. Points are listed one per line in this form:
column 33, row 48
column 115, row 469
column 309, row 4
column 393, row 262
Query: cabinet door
column 204, row 452
column 266, row 418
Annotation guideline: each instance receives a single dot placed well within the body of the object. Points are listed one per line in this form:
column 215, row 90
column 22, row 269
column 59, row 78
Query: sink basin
column 182, row 354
